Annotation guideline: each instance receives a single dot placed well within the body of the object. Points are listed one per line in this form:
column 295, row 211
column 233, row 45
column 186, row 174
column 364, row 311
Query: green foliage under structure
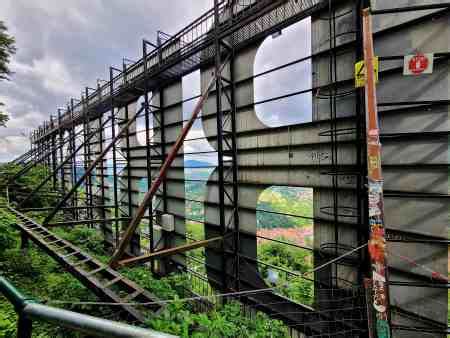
column 26, row 183
column 40, row 277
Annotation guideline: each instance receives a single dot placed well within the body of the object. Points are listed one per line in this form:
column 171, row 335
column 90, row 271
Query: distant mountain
column 197, row 164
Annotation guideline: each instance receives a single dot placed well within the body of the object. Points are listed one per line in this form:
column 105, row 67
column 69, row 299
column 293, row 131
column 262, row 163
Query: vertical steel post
column 24, row 327
column 114, row 158
column 61, row 153
column 333, row 133
column 127, row 150
column 148, row 151
column 85, row 153
column 163, row 143
column 128, row 159
column 377, row 242
column 160, row 119
column 102, row 181
column 49, row 145
column 87, row 141
column 234, row 161
column 219, row 136
column 74, row 159
column 54, row 159
column 227, row 145
column 162, row 125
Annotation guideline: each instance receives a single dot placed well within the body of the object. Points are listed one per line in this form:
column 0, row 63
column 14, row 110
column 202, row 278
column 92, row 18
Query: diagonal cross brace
column 92, row 166
column 162, row 173
column 35, row 161
column 68, row 158
column 168, row 252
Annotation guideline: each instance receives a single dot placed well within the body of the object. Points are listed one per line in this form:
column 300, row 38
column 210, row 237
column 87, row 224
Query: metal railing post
column 24, row 326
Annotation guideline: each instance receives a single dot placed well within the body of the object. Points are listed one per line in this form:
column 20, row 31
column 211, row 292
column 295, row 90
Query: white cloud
column 12, row 146
column 295, row 42
column 63, row 48
column 53, row 74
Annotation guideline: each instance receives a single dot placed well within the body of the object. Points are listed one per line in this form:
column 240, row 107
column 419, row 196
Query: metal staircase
column 106, row 283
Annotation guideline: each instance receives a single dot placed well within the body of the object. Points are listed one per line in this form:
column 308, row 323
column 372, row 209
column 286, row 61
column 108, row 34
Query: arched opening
column 199, row 162
column 285, row 239
column 283, row 81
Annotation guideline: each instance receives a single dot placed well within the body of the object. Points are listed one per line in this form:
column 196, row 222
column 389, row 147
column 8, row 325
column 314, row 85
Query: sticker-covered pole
column 377, row 241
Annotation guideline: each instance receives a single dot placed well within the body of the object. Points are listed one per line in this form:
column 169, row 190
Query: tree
column 7, row 48
column 3, row 117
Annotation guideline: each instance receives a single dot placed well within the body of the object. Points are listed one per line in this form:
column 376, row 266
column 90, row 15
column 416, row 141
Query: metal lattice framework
column 95, row 173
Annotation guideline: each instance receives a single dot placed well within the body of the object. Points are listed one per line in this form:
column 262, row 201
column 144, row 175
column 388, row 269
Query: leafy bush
column 8, row 319
column 35, row 274
column 179, row 318
column 26, row 183
column 7, row 233
column 87, row 238
column 225, row 321
column 38, row 275
column 291, row 259
column 64, row 287
column 284, row 256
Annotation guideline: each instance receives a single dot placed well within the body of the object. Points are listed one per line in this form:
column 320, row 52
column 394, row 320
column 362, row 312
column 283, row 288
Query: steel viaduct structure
column 93, row 145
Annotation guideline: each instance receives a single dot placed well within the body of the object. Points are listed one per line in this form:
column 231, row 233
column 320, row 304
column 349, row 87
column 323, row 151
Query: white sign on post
column 418, row 64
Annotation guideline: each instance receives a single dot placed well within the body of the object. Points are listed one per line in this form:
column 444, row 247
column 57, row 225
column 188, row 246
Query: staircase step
column 71, row 254
column 132, row 296
column 93, row 272
column 127, row 287
column 81, row 262
column 113, row 281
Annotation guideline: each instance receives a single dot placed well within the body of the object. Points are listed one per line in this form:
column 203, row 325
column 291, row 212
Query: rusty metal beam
column 162, row 173
column 168, row 252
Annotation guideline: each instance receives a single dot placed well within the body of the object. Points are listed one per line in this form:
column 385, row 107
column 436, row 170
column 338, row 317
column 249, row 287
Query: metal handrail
column 190, row 40
column 29, row 310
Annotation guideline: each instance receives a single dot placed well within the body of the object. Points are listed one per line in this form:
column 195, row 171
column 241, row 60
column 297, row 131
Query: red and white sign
column 418, row 64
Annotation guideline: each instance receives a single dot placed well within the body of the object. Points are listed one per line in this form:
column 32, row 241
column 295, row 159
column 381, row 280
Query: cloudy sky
column 63, row 46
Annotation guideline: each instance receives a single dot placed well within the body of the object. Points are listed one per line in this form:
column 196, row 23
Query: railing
column 29, row 310
column 189, row 47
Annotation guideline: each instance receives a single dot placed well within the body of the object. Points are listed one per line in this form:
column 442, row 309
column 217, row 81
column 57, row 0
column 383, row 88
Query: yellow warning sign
column 360, row 72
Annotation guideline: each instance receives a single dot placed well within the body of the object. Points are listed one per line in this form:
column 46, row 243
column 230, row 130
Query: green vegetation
column 288, row 259
column 278, row 257
column 180, row 318
column 27, row 183
column 37, row 275
column 288, row 200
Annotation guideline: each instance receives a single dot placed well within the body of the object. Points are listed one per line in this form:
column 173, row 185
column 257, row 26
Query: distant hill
column 196, row 164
